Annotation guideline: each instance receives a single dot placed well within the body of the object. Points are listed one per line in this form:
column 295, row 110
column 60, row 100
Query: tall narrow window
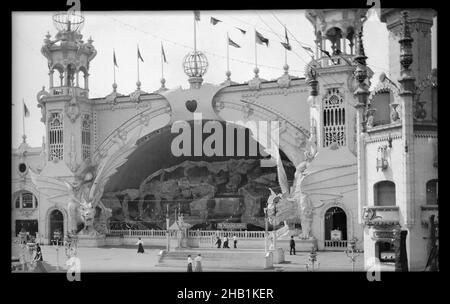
column 333, row 118
column 86, row 136
column 56, row 142
column 432, row 192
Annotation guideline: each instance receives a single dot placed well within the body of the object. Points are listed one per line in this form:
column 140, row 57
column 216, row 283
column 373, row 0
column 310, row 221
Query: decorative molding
column 382, row 138
column 73, row 109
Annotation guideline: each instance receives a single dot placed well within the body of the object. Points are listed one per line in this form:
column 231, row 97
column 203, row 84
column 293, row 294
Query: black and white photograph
column 233, row 140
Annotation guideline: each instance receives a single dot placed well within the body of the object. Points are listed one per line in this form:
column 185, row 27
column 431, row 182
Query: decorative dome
column 195, row 64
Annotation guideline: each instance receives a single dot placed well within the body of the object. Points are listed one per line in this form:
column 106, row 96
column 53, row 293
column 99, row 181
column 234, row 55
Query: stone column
column 50, row 74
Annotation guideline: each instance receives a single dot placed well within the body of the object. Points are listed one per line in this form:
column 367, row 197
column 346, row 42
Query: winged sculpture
column 293, row 203
column 82, row 196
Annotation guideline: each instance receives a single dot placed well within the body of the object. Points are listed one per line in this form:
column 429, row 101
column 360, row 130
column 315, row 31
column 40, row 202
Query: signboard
column 336, row 235
column 232, row 226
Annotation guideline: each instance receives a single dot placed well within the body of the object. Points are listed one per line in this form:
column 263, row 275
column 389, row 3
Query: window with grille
column 86, row 137
column 26, row 200
column 333, row 118
column 56, row 142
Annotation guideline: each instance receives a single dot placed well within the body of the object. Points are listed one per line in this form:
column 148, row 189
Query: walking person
column 234, row 241
column 140, row 246
column 38, row 260
column 218, row 242
column 189, row 263
column 198, row 263
column 292, row 245
column 225, row 242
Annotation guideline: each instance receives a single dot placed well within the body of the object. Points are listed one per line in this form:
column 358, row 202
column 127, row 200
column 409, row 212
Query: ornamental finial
column 361, row 55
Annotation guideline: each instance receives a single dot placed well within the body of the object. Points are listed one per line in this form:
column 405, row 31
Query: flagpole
column 138, row 62
column 114, row 66
column 228, row 52
column 256, row 57
column 23, row 119
column 162, row 62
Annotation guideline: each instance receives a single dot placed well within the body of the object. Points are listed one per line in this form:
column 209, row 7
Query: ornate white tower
column 332, row 113
column 66, row 108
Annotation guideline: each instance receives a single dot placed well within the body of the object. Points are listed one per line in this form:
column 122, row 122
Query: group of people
column 225, row 242
column 198, row 263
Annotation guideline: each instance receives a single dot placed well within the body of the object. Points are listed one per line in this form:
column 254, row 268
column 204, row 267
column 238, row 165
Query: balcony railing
column 381, row 215
column 55, row 91
column 192, row 233
column 335, row 60
column 336, row 245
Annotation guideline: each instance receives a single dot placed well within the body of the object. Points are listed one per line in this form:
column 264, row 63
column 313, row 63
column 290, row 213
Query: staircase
column 249, row 259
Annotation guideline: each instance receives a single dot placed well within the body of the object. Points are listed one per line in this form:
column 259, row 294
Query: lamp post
column 167, row 228
column 352, row 252
column 312, row 259
column 56, row 244
column 266, row 230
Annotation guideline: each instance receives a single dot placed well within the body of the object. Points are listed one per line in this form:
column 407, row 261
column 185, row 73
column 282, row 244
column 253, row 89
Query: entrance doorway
column 336, row 228
column 30, row 226
column 56, row 223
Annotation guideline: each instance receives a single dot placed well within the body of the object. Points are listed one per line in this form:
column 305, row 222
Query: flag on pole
column 261, row 39
column 139, row 54
column 232, row 43
column 214, row 21
column 242, row 31
column 308, row 49
column 326, row 53
column 114, row 58
column 163, row 53
column 26, row 112
column 286, row 44
column 197, row 15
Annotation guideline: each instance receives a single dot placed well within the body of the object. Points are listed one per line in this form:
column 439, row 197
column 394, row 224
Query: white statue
column 83, row 195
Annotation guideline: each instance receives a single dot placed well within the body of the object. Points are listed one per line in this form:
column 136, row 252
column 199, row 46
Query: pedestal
column 305, row 245
column 278, row 255
column 91, row 241
column 268, row 260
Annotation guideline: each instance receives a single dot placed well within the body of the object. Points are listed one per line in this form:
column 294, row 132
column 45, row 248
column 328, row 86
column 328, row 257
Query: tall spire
column 360, row 74
column 406, row 57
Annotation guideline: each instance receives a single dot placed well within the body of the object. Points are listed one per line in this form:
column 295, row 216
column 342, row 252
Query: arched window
column 384, row 193
column 432, row 192
column 333, row 118
column 56, row 136
column 25, row 200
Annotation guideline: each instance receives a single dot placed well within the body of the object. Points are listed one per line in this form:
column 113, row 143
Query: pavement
column 126, row 259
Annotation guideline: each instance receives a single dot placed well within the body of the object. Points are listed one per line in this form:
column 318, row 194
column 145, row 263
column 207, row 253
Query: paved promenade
column 126, row 259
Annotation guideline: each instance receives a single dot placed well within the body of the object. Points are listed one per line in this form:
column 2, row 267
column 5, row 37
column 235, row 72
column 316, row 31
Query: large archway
column 55, row 223
column 335, row 222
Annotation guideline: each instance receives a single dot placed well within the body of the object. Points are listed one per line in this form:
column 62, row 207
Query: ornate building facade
column 114, row 153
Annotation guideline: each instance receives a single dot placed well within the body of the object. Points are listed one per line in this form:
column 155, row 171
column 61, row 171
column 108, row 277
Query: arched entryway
column 335, row 227
column 56, row 223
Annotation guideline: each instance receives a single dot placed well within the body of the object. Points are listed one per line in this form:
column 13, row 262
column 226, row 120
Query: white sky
column 115, row 30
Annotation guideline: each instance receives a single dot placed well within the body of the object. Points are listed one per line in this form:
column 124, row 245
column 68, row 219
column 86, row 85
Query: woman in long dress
column 189, row 263
column 198, row 263
column 38, row 260
column 140, row 246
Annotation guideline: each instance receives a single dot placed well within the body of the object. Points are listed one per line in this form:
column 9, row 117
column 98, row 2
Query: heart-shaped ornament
column 191, row 105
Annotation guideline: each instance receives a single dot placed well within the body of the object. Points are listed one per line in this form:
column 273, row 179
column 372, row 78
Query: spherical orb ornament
column 195, row 64
column 68, row 21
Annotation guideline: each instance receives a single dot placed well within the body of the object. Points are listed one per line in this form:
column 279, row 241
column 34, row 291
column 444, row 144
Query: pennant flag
column 308, row 49
column 214, row 21
column 139, row 55
column 326, row 53
column 197, row 15
column 286, row 44
column 232, row 43
column 242, row 31
column 261, row 39
column 26, row 112
column 163, row 53
column 114, row 58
